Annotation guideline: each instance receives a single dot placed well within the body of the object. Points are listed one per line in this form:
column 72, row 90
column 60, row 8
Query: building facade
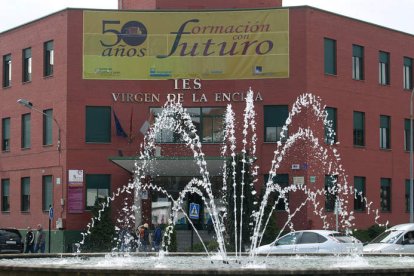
column 85, row 104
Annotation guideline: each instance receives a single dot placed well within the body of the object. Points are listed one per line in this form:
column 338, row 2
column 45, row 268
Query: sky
column 394, row 14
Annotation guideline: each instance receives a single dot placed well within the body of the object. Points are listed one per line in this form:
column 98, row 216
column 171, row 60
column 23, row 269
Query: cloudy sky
column 395, row 14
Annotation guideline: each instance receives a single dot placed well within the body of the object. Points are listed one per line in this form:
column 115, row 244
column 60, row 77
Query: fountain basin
column 202, row 264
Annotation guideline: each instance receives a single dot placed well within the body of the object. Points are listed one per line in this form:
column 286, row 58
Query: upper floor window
column 359, row 128
column 385, row 133
column 48, row 53
column 7, row 70
column 357, row 62
column 274, row 119
column 384, row 68
column 27, row 65
column 283, row 181
column 359, row 199
column 385, row 194
column 408, row 73
column 26, row 131
column 47, row 126
column 25, row 194
column 407, row 195
column 5, row 134
column 98, row 124
column 97, row 188
column 5, row 195
column 330, row 56
column 330, row 133
column 331, row 192
column 208, row 121
column 407, row 134
column 47, row 188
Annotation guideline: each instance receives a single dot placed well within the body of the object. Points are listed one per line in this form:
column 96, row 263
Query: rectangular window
column 208, row 121
column 5, row 195
column 26, row 131
column 48, row 53
column 274, row 119
column 330, row 56
column 359, row 128
column 5, row 134
column 97, row 187
column 408, row 73
column 359, row 199
column 27, row 65
column 384, row 68
column 47, row 188
column 407, row 134
column 385, row 133
column 25, row 194
column 283, row 181
column 330, row 132
column 47, row 126
column 407, row 195
column 385, row 194
column 330, row 192
column 98, row 124
column 357, row 62
column 7, row 70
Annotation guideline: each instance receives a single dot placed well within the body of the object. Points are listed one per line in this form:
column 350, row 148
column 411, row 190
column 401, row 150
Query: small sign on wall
column 295, row 167
column 298, row 180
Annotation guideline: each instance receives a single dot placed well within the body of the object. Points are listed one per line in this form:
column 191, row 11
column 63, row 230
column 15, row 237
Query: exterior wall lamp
column 29, row 105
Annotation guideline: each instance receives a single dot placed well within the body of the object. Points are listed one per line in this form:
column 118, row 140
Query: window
column 97, row 187
column 310, row 237
column 208, row 121
column 47, row 126
column 47, row 188
column 48, row 53
column 5, row 134
column 330, row 133
column 98, row 124
column 407, row 195
column 25, row 194
column 330, row 56
column 331, row 192
column 359, row 128
column 26, row 131
column 5, row 195
column 27, row 65
column 408, row 73
column 385, row 194
column 359, row 189
column 274, row 119
column 384, row 68
column 407, row 134
column 283, row 181
column 385, row 125
column 7, row 73
column 357, row 62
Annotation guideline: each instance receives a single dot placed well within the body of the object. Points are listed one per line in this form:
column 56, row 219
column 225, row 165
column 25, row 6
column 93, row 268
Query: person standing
column 29, row 241
column 145, row 242
column 40, row 243
column 157, row 237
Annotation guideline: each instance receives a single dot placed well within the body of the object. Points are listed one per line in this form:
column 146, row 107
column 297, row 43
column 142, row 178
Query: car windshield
column 388, row 237
column 344, row 238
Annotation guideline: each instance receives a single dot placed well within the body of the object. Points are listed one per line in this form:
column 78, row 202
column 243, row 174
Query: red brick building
column 362, row 72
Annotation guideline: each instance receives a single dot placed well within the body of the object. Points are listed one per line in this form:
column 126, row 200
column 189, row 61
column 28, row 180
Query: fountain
column 240, row 165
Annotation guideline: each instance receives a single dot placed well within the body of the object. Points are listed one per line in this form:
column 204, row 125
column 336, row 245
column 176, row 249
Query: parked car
column 397, row 239
column 313, row 241
column 11, row 241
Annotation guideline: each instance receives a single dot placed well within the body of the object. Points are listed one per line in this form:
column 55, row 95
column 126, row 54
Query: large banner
column 170, row 45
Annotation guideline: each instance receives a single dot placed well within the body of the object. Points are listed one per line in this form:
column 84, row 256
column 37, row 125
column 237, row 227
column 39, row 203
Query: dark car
column 11, row 241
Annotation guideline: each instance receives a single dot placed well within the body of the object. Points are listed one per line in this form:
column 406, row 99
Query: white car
column 397, row 239
column 313, row 241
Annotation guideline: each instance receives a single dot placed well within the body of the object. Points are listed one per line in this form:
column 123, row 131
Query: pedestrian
column 29, row 241
column 144, row 237
column 157, row 237
column 40, row 241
